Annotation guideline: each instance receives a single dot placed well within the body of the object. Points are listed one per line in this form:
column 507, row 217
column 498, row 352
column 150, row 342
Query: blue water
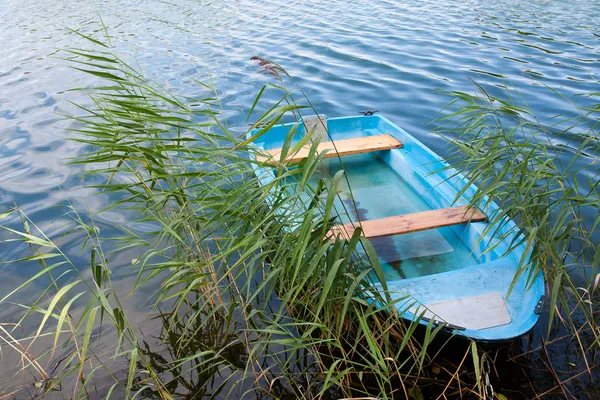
column 393, row 56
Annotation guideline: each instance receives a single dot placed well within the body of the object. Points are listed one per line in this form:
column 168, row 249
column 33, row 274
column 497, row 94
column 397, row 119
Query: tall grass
column 261, row 302
column 545, row 176
column 254, row 299
column 546, row 180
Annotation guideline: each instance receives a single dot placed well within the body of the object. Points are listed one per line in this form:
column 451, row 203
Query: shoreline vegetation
column 254, row 300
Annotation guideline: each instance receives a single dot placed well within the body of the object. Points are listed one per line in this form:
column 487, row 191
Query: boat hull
column 495, row 305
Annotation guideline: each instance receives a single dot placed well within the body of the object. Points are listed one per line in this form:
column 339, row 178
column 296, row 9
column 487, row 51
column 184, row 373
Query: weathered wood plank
column 414, row 222
column 345, row 147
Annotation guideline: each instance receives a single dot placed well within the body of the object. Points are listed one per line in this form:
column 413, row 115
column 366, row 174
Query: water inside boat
column 379, row 192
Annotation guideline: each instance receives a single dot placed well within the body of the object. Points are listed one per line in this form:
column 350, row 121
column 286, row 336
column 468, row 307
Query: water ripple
column 347, row 56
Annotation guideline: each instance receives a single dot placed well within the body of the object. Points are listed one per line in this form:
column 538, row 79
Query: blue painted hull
column 437, row 186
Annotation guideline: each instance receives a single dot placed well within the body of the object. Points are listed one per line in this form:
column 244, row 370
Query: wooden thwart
column 345, row 147
column 414, row 222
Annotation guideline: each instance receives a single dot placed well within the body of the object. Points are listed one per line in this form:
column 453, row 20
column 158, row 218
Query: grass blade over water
column 253, row 299
column 258, row 299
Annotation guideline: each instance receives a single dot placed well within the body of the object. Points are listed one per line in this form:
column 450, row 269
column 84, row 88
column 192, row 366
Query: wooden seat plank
column 344, row 147
column 414, row 222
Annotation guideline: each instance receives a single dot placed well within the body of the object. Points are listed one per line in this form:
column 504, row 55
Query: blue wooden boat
column 431, row 247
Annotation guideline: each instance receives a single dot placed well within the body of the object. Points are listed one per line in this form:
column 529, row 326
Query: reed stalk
column 255, row 301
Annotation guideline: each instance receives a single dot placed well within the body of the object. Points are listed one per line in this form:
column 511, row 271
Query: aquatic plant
column 545, row 176
column 254, row 299
column 261, row 301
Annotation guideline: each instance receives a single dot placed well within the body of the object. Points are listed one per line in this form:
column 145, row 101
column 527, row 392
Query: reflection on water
column 205, row 337
column 386, row 55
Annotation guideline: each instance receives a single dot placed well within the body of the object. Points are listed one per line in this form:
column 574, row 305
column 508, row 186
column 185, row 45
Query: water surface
column 392, row 56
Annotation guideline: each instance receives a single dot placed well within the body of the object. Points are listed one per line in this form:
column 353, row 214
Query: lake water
column 391, row 56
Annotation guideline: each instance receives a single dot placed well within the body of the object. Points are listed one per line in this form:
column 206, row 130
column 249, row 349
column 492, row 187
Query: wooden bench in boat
column 414, row 222
column 344, row 147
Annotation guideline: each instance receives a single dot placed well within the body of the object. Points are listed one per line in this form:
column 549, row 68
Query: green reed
column 545, row 177
column 241, row 266
column 255, row 299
